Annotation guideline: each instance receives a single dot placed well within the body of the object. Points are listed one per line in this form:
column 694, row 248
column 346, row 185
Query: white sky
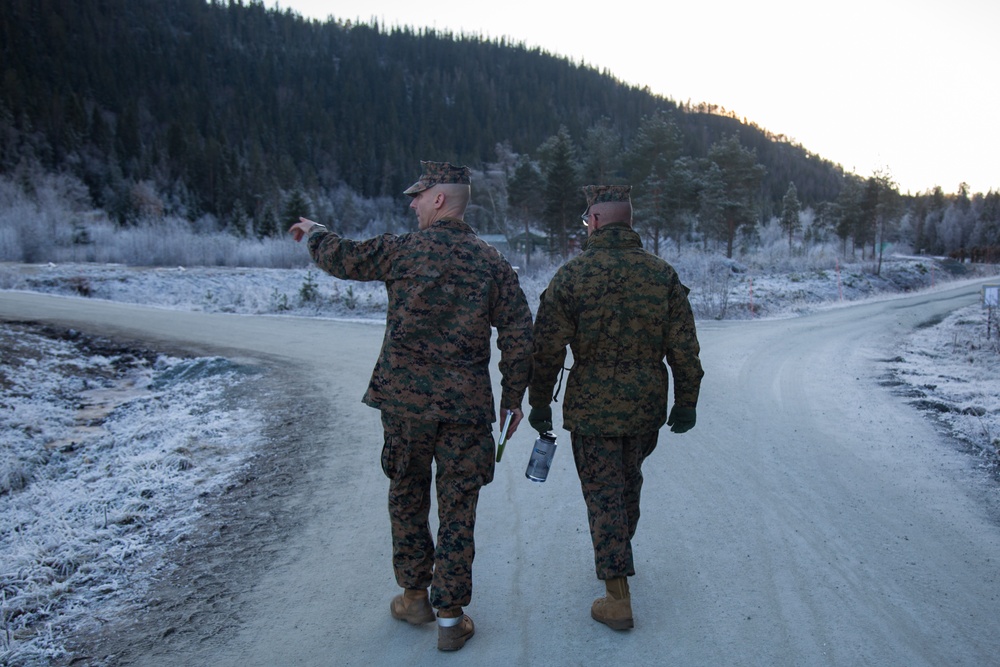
column 905, row 86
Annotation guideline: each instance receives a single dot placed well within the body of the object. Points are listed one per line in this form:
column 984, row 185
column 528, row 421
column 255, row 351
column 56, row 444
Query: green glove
column 541, row 418
column 681, row 420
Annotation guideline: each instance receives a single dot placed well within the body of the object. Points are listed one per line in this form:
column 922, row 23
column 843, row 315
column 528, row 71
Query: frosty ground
column 111, row 453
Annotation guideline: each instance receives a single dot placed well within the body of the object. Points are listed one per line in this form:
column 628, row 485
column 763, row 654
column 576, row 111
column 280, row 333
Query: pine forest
column 231, row 117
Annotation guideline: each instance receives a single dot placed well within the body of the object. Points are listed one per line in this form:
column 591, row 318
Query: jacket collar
column 614, row 235
column 453, row 224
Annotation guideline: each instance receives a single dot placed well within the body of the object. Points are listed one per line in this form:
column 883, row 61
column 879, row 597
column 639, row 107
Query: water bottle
column 541, row 457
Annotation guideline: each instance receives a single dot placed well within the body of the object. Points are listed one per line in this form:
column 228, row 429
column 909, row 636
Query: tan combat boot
column 412, row 606
column 615, row 609
column 454, row 629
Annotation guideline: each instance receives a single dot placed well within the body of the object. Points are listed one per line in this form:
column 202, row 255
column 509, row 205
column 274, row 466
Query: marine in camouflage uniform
column 446, row 289
column 622, row 311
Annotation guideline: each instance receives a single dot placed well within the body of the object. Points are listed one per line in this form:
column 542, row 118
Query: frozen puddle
column 97, row 404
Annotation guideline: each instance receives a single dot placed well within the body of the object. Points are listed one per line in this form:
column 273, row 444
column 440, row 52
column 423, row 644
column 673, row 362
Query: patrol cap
column 598, row 194
column 435, row 173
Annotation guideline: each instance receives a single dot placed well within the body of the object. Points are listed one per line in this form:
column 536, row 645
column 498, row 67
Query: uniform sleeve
column 683, row 348
column 554, row 329
column 352, row 260
column 512, row 319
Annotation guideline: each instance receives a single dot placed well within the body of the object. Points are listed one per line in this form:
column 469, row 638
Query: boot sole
column 456, row 646
column 622, row 624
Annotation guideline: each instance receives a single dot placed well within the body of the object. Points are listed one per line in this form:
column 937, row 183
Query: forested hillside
column 243, row 115
column 235, row 101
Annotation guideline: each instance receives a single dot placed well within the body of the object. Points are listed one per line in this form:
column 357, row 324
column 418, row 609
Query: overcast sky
column 905, row 87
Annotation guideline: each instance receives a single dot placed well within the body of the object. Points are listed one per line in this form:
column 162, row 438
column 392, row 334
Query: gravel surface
column 156, row 558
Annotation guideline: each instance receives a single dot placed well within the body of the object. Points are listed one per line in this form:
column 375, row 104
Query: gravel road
column 811, row 518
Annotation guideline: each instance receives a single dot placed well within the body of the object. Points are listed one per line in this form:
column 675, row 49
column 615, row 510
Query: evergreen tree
column 864, row 231
column 524, row 196
column 851, row 217
column 790, row 209
column 664, row 183
column 241, row 223
column 601, row 154
column 741, row 178
column 684, row 184
column 266, row 224
column 663, row 200
column 561, row 197
column 887, row 211
column 525, row 189
column 296, row 206
column 652, row 208
column 711, row 204
column 488, row 211
column 127, row 133
column 989, row 224
column 827, row 216
column 656, row 145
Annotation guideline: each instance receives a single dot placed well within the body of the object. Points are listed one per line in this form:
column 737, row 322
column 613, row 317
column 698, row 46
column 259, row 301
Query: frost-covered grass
column 720, row 288
column 107, row 455
column 952, row 371
column 50, row 218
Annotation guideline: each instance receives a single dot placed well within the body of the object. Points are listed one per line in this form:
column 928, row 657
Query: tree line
column 246, row 117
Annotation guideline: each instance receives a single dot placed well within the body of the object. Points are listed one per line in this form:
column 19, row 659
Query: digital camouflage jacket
column 622, row 311
column 447, row 288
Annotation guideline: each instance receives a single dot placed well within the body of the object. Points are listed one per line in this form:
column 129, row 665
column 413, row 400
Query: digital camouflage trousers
column 610, row 470
column 463, row 458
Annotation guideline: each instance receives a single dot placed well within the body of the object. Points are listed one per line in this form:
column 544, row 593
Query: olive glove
column 681, row 420
column 541, row 418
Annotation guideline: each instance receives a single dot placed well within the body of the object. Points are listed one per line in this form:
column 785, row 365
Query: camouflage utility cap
column 435, row 173
column 597, row 194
